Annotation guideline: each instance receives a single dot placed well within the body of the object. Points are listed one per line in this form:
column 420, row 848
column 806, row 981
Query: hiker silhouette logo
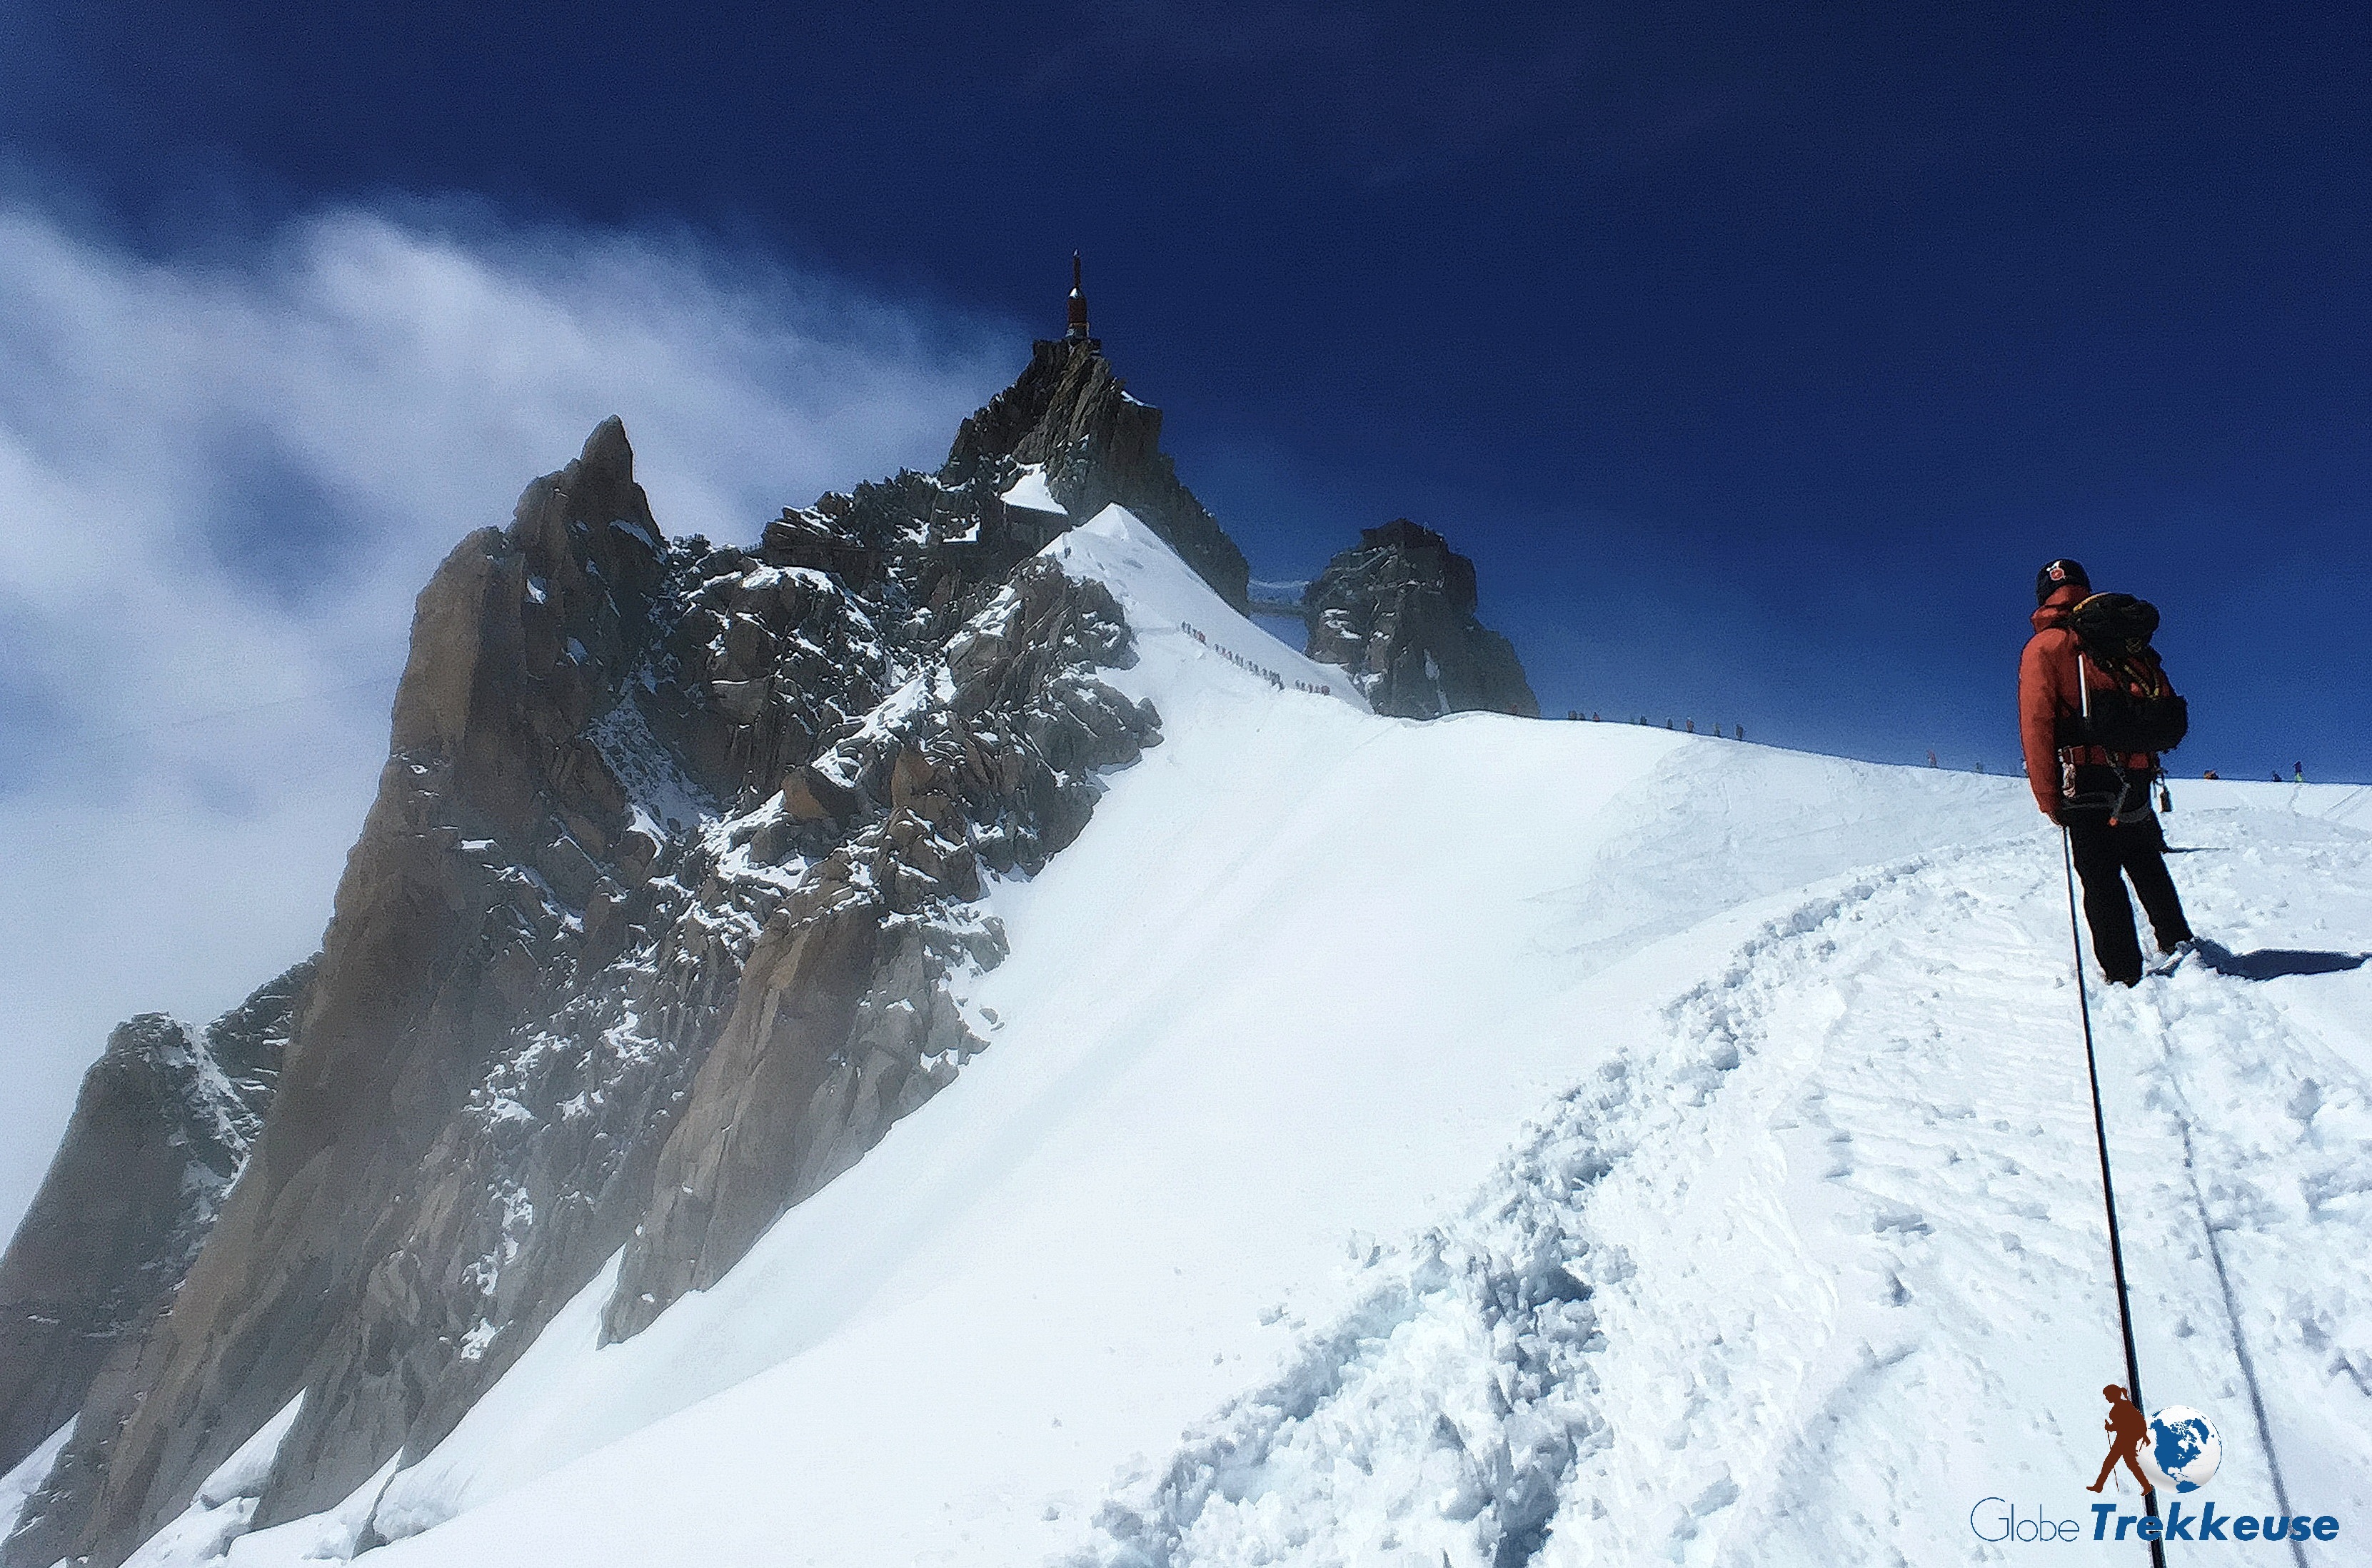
column 2177, row 1448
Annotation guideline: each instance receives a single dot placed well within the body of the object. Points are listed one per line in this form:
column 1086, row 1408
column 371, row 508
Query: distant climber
column 2126, row 1426
column 2297, row 772
column 2100, row 797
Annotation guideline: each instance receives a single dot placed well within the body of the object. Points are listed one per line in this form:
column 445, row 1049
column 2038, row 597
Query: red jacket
column 2047, row 693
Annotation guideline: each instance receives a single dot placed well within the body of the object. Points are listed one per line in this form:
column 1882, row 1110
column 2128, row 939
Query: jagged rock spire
column 163, row 1121
column 1070, row 413
column 1397, row 610
column 1077, row 330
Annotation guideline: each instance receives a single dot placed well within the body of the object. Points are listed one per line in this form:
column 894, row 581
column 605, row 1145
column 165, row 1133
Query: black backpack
column 2140, row 711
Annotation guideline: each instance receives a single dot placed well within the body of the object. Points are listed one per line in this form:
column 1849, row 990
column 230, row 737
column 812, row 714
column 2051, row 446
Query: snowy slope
column 1490, row 1141
column 26, row 1477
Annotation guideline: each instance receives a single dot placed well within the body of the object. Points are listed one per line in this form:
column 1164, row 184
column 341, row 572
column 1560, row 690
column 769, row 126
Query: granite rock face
column 1397, row 612
column 159, row 1133
column 843, row 1024
column 664, row 913
column 1069, row 415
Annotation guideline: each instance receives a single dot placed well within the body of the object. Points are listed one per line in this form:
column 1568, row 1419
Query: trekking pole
column 2108, row 1184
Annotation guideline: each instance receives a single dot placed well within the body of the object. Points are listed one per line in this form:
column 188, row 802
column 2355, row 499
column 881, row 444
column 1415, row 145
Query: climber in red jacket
column 2103, row 801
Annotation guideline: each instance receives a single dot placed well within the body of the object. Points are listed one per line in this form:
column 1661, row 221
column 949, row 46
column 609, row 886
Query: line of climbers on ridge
column 1272, row 676
column 2297, row 774
column 1687, row 725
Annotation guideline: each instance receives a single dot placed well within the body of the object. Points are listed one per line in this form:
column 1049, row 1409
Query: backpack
column 2139, row 712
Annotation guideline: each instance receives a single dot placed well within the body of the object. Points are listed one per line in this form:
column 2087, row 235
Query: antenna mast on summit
column 1077, row 330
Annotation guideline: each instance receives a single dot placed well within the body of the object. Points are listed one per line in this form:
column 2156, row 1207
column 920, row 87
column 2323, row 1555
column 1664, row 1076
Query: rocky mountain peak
column 160, row 1130
column 1069, row 416
column 1397, row 612
column 1408, row 552
column 674, row 842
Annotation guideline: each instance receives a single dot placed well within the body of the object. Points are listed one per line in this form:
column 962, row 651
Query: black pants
column 2105, row 856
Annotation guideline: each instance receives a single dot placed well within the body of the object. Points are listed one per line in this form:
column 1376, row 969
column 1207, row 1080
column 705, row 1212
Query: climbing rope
column 2108, row 1181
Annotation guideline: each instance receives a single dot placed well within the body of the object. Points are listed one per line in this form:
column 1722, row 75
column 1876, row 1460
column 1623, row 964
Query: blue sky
column 1757, row 354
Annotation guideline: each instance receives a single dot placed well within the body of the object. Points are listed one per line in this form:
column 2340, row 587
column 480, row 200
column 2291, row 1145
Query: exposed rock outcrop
column 1397, row 612
column 159, row 1131
column 841, row 1025
column 661, row 918
column 452, row 930
column 1071, row 415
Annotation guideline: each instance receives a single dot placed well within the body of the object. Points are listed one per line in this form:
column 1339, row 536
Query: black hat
column 2057, row 576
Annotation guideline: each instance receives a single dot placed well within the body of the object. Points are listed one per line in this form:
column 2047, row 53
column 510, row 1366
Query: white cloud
column 223, row 481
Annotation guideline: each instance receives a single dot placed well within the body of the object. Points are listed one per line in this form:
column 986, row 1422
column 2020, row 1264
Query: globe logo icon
column 2183, row 1449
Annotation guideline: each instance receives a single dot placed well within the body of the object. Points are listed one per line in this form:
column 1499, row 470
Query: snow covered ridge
column 1506, row 1142
column 858, row 1099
